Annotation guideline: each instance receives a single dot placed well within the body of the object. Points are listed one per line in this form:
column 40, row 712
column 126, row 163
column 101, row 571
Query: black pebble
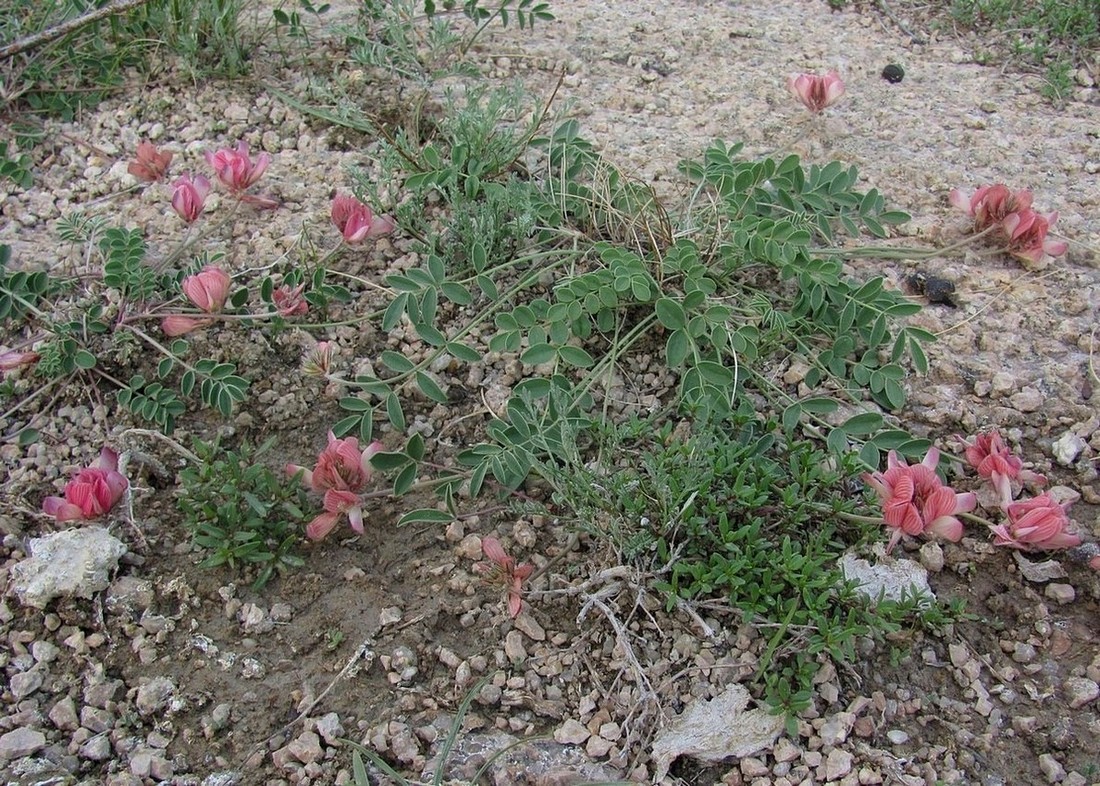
column 893, row 73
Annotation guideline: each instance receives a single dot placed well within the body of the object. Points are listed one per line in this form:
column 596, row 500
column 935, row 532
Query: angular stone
column 18, row 743
column 1080, row 691
column 330, row 728
column 837, row 764
column 572, row 732
column 306, row 747
column 63, row 714
column 513, row 647
column 154, row 694
column 98, row 748
column 25, row 683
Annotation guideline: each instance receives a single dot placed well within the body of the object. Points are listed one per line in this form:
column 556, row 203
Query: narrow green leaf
column 538, row 354
column 394, row 412
column 463, row 352
column 575, row 356
column 354, row 404
column 863, row 423
column 395, row 361
column 404, row 480
column 430, row 388
column 426, row 516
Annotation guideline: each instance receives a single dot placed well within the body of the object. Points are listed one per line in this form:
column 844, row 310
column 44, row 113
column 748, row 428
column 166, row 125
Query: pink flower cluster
column 503, row 571
column 1020, row 227
column 342, row 473
column 1035, row 524
column 93, row 492
column 916, row 502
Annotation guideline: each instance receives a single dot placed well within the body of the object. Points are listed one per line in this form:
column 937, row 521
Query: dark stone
column 893, row 73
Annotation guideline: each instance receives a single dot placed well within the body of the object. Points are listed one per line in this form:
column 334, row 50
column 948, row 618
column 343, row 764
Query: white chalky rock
column 714, row 730
column 892, row 580
column 75, row 562
column 1067, row 448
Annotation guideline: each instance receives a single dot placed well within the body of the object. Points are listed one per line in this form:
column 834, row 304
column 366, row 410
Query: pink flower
column 149, row 164
column 207, row 289
column 235, row 169
column 93, row 491
column 189, row 196
column 11, row 360
column 997, row 464
column 915, row 501
column 178, row 324
column 318, row 361
column 356, row 221
column 1027, row 235
column 289, row 302
column 816, row 91
column 505, row 572
column 991, row 204
column 1036, row 524
column 341, row 474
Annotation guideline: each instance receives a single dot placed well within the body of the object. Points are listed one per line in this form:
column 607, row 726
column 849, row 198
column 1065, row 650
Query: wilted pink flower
column 1036, row 524
column 1027, row 235
column 318, row 361
column 816, row 91
column 341, row 473
column 207, row 289
column 11, row 360
column 505, row 572
column 235, row 169
column 289, row 302
column 189, row 196
column 356, row 221
column 149, row 164
column 177, row 324
column 93, row 491
column 991, row 204
column 995, row 462
column 915, row 501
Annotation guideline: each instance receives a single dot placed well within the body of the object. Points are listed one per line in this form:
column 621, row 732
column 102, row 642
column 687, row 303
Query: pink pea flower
column 992, row 459
column 207, row 289
column 1036, row 524
column 189, row 196
column 12, row 359
column 236, row 169
column 816, row 91
column 505, row 572
column 289, row 302
column 915, row 501
column 341, row 474
column 992, row 204
column 149, row 164
column 93, row 491
column 356, row 221
column 1027, row 235
column 177, row 324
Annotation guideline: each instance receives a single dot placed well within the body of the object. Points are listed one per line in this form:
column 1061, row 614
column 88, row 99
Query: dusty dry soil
column 176, row 674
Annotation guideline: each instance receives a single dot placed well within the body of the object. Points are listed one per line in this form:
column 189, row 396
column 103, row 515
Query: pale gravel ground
column 1020, row 358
